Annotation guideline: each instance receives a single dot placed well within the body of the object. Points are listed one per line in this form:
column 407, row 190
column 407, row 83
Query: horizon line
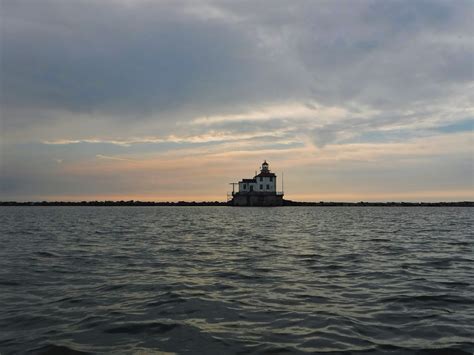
column 217, row 202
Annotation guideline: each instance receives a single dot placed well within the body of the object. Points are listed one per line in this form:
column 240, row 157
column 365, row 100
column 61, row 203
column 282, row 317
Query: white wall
column 263, row 184
column 247, row 186
column 256, row 186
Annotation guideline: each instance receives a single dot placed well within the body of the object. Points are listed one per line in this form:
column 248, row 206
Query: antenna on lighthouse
column 282, row 190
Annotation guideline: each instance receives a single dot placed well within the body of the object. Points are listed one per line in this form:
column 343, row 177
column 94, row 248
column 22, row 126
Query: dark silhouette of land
column 218, row 203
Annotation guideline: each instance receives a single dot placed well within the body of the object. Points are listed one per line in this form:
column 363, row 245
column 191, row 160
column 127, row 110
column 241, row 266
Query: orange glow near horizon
column 339, row 173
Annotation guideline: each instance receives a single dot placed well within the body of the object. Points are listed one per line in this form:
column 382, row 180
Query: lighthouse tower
column 266, row 180
column 261, row 190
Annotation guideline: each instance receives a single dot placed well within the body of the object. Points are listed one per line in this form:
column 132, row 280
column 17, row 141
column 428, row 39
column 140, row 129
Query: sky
column 173, row 100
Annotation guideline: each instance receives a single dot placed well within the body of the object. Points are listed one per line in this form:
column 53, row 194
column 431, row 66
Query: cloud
column 304, row 83
column 135, row 61
column 274, row 112
column 209, row 137
column 106, row 157
column 168, row 61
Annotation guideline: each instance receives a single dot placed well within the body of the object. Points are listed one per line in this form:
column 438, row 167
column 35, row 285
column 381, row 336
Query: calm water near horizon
column 223, row 280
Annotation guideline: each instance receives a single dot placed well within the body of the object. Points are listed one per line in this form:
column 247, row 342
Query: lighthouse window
column 268, row 187
column 261, row 187
column 271, row 178
column 261, row 178
column 245, row 186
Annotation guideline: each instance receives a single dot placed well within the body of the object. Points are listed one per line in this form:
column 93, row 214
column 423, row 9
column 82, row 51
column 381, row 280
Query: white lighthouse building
column 261, row 190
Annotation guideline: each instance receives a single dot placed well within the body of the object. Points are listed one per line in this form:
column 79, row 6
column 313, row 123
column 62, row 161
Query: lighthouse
column 261, row 190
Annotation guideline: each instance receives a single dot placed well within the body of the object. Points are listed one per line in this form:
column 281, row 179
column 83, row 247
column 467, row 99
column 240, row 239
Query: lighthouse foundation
column 257, row 199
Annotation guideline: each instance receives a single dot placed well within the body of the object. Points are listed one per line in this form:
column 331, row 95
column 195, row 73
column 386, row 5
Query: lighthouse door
column 251, row 188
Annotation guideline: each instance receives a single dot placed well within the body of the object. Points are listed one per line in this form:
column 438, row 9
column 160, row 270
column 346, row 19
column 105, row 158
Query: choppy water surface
column 218, row 280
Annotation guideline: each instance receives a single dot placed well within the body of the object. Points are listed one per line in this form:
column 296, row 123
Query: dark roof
column 248, row 180
column 265, row 175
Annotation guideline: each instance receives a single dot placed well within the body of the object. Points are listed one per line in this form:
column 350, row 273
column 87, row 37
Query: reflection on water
column 216, row 280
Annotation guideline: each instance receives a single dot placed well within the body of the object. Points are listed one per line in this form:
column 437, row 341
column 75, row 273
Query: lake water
column 223, row 280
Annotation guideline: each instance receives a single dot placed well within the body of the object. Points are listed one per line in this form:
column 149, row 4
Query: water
column 222, row 280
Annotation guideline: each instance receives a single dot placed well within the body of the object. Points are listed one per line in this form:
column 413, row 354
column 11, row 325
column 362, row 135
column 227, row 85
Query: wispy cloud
column 293, row 111
column 106, row 157
column 209, row 137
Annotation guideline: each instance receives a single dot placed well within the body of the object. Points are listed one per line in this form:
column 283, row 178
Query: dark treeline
column 114, row 203
column 217, row 203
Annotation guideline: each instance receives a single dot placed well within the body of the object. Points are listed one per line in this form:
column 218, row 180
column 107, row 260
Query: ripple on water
column 143, row 327
column 218, row 280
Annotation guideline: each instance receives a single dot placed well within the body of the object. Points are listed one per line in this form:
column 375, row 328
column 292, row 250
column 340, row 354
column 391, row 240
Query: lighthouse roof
column 265, row 174
column 248, row 180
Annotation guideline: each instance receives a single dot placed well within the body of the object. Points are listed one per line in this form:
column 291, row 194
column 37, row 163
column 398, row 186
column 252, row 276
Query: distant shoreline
column 218, row 203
